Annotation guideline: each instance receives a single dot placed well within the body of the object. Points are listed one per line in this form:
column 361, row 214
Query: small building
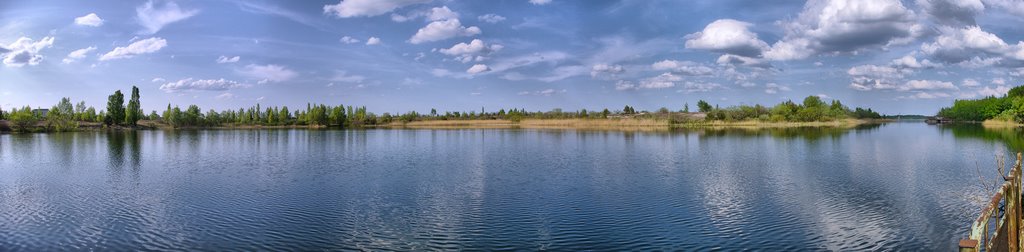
column 40, row 112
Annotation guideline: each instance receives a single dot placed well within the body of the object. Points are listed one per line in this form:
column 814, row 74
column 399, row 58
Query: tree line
column 1009, row 107
column 811, row 109
column 66, row 117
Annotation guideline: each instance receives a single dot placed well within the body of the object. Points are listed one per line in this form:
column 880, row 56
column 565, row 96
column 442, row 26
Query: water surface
column 899, row 186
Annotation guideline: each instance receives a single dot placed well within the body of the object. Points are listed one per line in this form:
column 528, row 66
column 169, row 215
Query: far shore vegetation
column 66, row 116
column 992, row 111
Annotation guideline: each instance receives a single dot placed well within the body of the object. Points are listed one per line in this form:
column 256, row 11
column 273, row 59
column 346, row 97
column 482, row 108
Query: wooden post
column 968, row 245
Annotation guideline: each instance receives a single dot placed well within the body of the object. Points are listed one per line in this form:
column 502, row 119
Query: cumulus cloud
column 154, row 18
column 474, row 50
column 478, row 68
column 914, row 85
column 443, row 29
column 683, row 67
column 268, row 73
column 190, row 84
column 367, row 8
column 78, row 54
column 144, row 46
column 837, row 26
column 348, row 40
column 869, row 77
column 540, row 2
column 727, row 36
column 491, row 18
column 225, row 59
column 958, row 45
column 910, row 61
column 24, row 51
column 90, row 19
column 373, row 41
column 952, row 12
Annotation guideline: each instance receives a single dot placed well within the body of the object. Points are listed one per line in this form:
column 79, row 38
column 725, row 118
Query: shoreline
column 615, row 124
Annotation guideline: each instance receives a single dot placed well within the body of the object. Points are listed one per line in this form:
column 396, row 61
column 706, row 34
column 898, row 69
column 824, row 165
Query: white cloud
column 1012, row 6
column 773, row 88
column 540, row 2
column 952, row 12
column 474, row 50
column 478, row 68
column 729, row 37
column 999, row 81
column 491, row 18
column 24, row 51
column 665, row 80
column 268, row 73
column 925, row 95
column 624, row 85
column 343, row 76
column 158, row 79
column 989, row 91
column 957, row 45
column 348, row 40
column 144, row 46
column 910, row 61
column 603, row 69
column 190, row 84
column 154, row 18
column 443, row 29
column 970, row 83
column 367, row 8
column 545, row 92
column 869, row 77
column 225, row 59
column 845, row 26
column 225, row 96
column 927, row 85
column 78, row 54
column 441, row 13
column 373, row 41
column 89, row 20
column 683, row 67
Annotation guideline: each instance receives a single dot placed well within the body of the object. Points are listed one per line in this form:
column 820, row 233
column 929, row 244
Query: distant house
column 40, row 112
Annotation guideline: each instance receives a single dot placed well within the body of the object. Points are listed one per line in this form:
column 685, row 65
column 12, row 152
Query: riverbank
column 625, row 124
column 619, row 124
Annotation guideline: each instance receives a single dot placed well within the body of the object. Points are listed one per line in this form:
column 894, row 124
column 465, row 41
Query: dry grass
column 995, row 123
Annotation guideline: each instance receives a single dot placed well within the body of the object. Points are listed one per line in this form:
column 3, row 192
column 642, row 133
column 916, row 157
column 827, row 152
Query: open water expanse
column 897, row 186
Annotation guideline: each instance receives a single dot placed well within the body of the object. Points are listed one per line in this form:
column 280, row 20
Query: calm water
column 900, row 186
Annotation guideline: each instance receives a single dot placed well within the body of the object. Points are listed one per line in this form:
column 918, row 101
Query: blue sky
column 401, row 55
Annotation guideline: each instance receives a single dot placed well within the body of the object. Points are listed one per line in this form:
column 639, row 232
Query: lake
column 897, row 186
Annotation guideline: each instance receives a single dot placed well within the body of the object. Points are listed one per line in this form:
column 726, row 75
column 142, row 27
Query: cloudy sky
column 910, row 56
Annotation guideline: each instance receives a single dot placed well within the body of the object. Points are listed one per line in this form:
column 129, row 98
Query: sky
column 898, row 57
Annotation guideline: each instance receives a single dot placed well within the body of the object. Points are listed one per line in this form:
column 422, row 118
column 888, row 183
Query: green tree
column 61, row 116
column 134, row 110
column 703, row 106
column 115, row 109
column 686, row 107
column 23, row 119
